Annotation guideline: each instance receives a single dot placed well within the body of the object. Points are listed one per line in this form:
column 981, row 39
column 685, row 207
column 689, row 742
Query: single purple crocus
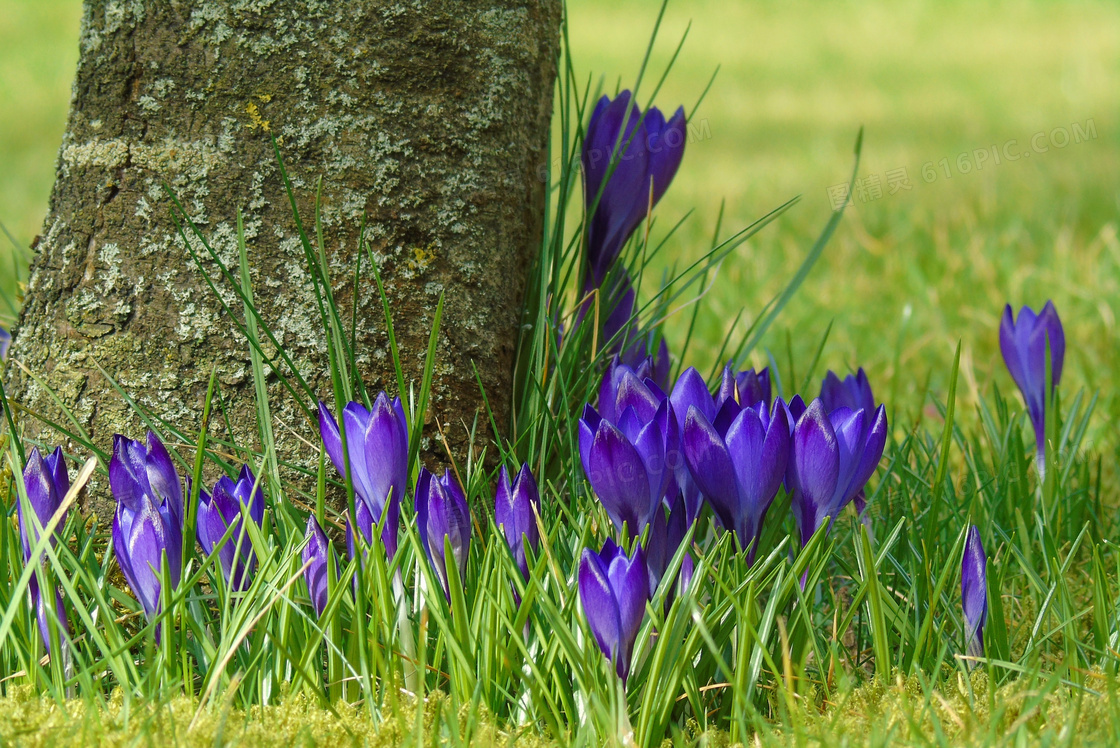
column 442, row 515
column 613, row 590
column 316, row 554
column 516, row 506
column 377, row 442
column 47, row 483
column 5, row 341
column 974, row 591
column 852, row 392
column 148, row 524
column 739, row 468
column 832, row 456
column 746, row 388
column 630, row 461
column 1023, row 344
column 220, row 511
column 625, row 155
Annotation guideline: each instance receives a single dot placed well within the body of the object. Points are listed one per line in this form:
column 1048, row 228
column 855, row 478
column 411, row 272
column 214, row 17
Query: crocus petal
column 163, row 478
column 710, row 464
column 144, row 548
column 127, row 480
column 588, row 425
column 355, row 419
column 56, row 465
column 691, row 391
column 386, row 454
column 815, row 456
column 599, row 604
column 332, row 439
column 666, row 147
column 618, row 476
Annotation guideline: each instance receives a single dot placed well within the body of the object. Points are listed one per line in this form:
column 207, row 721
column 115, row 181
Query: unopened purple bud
column 1023, row 343
column 613, row 589
column 442, row 515
column 974, row 591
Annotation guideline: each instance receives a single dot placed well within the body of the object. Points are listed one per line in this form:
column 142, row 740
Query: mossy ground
column 902, row 713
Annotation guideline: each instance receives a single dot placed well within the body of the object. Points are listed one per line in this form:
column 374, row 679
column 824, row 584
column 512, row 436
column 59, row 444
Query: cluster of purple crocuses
column 655, row 459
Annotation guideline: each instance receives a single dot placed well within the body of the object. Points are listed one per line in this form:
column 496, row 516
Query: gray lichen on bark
column 428, row 118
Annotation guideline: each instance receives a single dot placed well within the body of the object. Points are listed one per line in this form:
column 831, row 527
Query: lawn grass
column 904, row 279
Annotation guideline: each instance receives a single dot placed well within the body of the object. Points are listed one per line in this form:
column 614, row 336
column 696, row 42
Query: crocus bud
column 221, row 510
column 1023, row 344
column 377, row 441
column 316, row 554
column 613, row 590
column 5, row 341
column 624, row 154
column 832, row 456
column 148, row 524
column 974, row 591
column 514, row 506
column 740, row 469
column 47, row 482
column 442, row 513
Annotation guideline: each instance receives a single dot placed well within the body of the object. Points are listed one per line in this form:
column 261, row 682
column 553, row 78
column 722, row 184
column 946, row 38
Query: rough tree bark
column 430, row 118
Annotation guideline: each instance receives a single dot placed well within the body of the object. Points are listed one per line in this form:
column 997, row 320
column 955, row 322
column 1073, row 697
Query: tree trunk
column 428, row 119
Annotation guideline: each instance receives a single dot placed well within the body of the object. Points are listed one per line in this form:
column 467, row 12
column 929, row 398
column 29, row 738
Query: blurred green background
column 908, row 273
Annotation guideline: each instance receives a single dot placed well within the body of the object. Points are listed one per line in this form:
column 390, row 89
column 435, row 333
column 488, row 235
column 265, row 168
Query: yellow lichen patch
column 421, row 258
column 255, row 116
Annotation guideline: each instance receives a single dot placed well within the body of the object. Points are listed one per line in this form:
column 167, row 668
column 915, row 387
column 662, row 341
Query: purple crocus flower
column 746, row 388
column 148, row 523
column 645, row 151
column 1023, row 344
column 47, row 483
column 221, row 510
column 739, row 468
column 5, row 341
column 515, row 508
column 974, row 591
column 377, row 441
column 832, row 456
column 853, row 392
column 442, row 512
column 316, row 554
column 613, row 590
column 630, row 461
